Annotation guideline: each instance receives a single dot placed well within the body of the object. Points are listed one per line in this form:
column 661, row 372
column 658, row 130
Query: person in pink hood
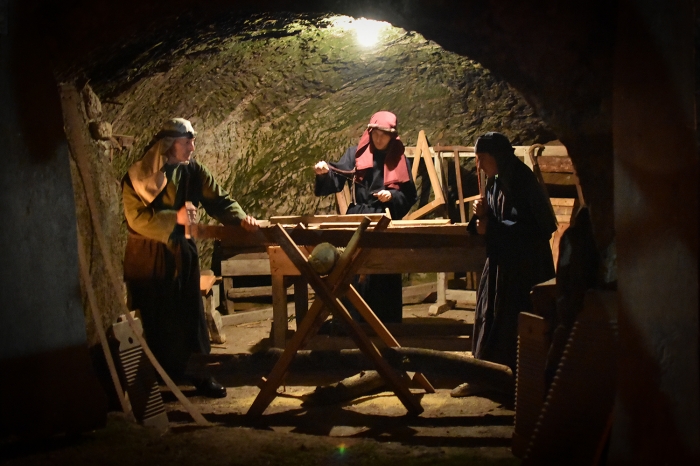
column 380, row 178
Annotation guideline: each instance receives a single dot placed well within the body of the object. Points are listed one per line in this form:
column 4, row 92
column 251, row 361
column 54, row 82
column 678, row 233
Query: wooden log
column 347, row 389
column 429, row 362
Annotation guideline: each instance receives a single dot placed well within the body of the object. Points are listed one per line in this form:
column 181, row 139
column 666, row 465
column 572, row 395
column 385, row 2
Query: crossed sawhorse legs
column 328, row 291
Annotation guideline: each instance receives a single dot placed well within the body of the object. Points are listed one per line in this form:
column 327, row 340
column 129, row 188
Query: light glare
column 367, row 31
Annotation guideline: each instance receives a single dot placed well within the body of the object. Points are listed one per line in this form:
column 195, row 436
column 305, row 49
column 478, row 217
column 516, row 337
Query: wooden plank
column 547, row 151
column 555, row 164
column 562, row 201
column 425, row 210
column 240, row 268
column 417, row 293
column 563, row 210
column 232, row 243
column 442, row 304
column 458, row 176
column 453, row 149
column 311, row 219
column 419, row 222
column 465, row 297
column 206, row 282
column 343, row 199
column 426, row 155
column 253, row 291
column 279, row 311
column 244, row 317
column 440, row 259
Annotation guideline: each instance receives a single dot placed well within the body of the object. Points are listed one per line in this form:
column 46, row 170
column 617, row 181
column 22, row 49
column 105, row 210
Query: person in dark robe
column 517, row 220
column 380, row 178
column 161, row 193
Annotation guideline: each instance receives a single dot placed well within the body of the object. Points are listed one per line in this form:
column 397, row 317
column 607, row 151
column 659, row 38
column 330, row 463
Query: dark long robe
column 382, row 292
column 161, row 266
column 520, row 225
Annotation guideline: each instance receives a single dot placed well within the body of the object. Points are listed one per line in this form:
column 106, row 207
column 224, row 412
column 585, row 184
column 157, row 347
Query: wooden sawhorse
column 328, row 291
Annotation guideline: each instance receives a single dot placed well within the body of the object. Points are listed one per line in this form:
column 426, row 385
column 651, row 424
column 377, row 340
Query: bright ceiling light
column 367, row 31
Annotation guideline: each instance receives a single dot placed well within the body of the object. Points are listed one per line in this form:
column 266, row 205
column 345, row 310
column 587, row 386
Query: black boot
column 209, row 387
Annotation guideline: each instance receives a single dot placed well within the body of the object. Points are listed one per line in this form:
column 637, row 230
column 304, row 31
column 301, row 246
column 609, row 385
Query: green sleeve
column 217, row 202
column 145, row 219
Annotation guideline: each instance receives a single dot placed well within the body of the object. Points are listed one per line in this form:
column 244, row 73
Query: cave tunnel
column 616, row 83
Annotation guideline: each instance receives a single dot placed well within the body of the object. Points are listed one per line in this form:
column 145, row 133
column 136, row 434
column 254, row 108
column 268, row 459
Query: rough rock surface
column 270, row 95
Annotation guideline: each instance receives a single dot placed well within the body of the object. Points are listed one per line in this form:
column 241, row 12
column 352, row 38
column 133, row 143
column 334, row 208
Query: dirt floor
column 374, row 429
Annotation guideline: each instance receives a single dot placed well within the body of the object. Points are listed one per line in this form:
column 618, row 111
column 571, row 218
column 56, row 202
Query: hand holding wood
column 250, row 223
column 187, row 215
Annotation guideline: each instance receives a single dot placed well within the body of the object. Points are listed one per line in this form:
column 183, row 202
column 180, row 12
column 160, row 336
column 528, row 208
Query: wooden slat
column 425, row 210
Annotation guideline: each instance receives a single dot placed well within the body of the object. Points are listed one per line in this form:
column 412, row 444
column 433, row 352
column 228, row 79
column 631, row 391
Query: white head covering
column 147, row 175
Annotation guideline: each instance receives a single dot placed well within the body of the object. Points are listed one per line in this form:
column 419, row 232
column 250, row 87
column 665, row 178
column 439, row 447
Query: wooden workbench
column 405, row 247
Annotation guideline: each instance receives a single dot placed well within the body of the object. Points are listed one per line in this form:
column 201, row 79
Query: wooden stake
column 92, row 300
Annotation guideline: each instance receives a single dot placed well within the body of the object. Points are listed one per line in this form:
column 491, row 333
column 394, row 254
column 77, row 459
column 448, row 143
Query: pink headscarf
column 395, row 164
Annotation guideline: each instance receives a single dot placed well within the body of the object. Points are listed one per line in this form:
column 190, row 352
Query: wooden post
column 279, row 311
column 458, row 177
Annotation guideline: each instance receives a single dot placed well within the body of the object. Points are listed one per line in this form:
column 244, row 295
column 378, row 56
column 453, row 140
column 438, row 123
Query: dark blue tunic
column 518, row 257
column 382, row 292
